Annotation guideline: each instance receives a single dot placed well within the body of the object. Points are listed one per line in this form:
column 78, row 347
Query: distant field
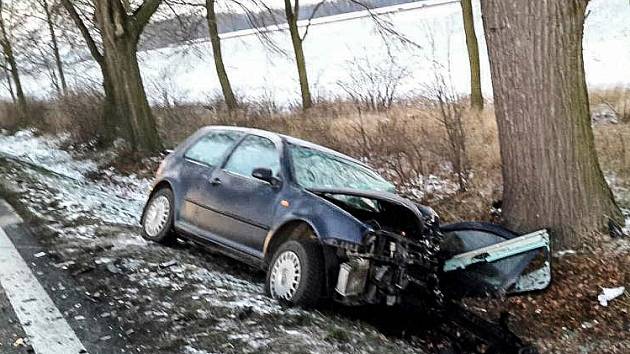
column 333, row 45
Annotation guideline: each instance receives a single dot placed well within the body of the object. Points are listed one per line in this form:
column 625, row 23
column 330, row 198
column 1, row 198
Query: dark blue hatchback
column 321, row 223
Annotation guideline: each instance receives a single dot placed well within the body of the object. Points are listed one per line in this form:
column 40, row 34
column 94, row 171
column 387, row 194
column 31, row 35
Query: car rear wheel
column 157, row 219
column 295, row 275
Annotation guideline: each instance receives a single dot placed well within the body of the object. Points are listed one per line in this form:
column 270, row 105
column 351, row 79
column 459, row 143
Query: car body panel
column 326, row 219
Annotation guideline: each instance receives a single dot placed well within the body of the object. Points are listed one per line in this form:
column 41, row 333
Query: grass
column 406, row 141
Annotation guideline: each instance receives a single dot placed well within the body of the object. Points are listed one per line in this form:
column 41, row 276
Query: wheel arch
column 295, row 229
column 156, row 187
column 161, row 184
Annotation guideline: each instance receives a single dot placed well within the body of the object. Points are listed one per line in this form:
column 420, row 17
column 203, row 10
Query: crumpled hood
column 384, row 196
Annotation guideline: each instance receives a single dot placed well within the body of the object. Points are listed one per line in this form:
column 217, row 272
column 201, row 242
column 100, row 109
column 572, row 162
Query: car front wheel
column 295, row 275
column 157, row 219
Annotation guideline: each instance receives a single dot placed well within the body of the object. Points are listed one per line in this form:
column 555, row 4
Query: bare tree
column 7, row 49
column 451, row 116
column 127, row 108
column 292, row 12
column 55, row 45
column 476, row 97
column 226, row 87
column 552, row 178
column 373, row 85
column 7, row 81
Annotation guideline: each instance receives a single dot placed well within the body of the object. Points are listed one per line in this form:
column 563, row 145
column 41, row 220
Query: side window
column 212, row 147
column 254, row 152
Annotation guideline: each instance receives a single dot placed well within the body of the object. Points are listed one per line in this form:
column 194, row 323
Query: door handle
column 215, row 181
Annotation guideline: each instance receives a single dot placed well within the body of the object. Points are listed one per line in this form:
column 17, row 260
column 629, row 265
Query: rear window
column 211, row 148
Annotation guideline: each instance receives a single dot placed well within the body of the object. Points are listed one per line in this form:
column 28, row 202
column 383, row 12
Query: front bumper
column 385, row 267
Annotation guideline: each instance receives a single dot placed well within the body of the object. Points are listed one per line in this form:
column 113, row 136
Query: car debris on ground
column 609, row 294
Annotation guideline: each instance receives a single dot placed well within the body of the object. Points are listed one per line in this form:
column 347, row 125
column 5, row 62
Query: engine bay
column 379, row 214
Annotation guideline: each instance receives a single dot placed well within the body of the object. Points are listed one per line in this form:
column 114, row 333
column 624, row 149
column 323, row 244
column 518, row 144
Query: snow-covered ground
column 198, row 302
column 63, row 181
column 90, row 220
column 331, row 48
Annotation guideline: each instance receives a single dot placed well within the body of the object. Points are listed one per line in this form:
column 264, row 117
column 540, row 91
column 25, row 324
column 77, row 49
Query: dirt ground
column 566, row 317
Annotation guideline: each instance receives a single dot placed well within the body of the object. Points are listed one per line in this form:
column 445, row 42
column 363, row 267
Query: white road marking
column 48, row 331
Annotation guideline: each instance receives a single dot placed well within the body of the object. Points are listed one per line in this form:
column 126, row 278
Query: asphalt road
column 43, row 310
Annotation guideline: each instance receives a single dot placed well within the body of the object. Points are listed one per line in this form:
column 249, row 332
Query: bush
column 80, row 113
column 9, row 118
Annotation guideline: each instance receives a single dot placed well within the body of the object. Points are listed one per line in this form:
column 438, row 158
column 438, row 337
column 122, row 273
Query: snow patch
column 44, row 152
column 58, row 184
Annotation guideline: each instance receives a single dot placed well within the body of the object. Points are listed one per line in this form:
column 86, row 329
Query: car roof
column 285, row 138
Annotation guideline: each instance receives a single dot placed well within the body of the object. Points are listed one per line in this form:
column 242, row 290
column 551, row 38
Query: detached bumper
column 531, row 272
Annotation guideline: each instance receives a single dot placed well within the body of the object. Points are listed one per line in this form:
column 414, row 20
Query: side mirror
column 265, row 174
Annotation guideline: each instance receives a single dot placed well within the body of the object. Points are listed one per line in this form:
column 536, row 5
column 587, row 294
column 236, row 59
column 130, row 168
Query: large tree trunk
column 292, row 17
column 122, row 76
column 552, row 178
column 7, row 48
column 228, row 94
column 113, row 120
column 476, row 97
column 55, row 47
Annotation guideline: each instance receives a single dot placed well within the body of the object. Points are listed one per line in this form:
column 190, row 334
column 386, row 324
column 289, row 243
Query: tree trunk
column 9, row 83
column 112, row 118
column 7, row 48
column 53, row 38
column 476, row 97
column 228, row 94
column 122, row 76
column 552, row 178
column 292, row 17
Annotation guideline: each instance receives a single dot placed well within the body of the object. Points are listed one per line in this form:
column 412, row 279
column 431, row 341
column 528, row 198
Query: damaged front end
column 381, row 270
column 406, row 257
column 406, row 251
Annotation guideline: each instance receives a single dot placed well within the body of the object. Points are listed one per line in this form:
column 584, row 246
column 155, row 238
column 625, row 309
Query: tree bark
column 476, row 97
column 552, row 178
column 7, row 48
column 120, row 33
column 127, row 109
column 55, row 45
column 9, row 83
column 292, row 18
column 224, row 80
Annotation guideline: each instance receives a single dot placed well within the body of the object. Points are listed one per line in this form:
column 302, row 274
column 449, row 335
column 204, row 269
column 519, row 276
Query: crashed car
column 325, row 225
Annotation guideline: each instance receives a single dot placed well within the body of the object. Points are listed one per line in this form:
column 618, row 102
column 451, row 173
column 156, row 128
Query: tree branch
column 308, row 25
column 85, row 32
column 384, row 27
column 143, row 14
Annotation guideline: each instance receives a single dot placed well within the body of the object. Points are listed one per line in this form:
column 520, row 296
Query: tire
column 161, row 230
column 308, row 288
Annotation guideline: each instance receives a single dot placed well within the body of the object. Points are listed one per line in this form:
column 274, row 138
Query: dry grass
column 79, row 113
column 613, row 147
column 9, row 116
column 616, row 99
column 404, row 142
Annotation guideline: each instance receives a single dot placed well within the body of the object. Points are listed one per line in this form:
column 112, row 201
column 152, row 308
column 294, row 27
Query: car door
column 200, row 160
column 246, row 205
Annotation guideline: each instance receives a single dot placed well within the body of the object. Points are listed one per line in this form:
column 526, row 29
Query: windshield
column 318, row 169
